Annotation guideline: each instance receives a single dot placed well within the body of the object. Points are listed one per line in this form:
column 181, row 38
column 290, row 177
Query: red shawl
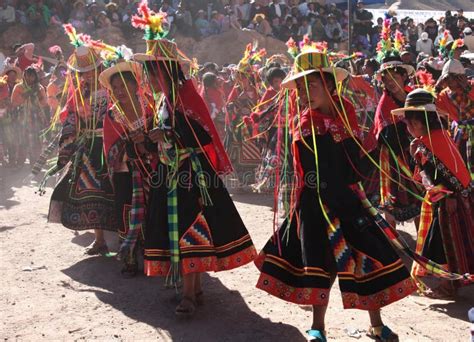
column 324, row 123
column 446, row 105
column 113, row 131
column 443, row 148
column 383, row 114
column 194, row 106
column 213, row 95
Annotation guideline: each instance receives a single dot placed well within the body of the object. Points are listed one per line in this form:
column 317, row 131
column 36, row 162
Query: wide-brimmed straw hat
column 84, row 59
column 158, row 50
column 310, row 62
column 121, row 67
column 419, row 100
column 11, row 67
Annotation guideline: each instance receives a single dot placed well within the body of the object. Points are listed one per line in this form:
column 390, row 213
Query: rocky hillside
column 224, row 48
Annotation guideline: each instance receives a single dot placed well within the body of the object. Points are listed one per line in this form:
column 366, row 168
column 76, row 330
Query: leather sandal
column 186, row 310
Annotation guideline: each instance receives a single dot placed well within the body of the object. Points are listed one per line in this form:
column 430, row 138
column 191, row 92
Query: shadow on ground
column 10, row 179
column 458, row 308
column 224, row 317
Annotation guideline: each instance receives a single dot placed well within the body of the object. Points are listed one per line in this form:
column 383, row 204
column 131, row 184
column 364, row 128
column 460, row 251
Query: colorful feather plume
column 55, row 49
column 444, row 41
column 456, row 44
column 292, row 47
column 76, row 39
column 426, row 81
column 399, row 41
column 154, row 24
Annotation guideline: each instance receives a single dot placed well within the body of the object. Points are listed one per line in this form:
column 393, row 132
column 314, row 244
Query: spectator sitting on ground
column 202, row 25
column 7, row 13
column 318, row 30
column 112, row 13
column 262, row 25
column 425, row 44
column 277, row 11
column 183, row 19
column 333, row 30
column 305, row 29
column 103, row 21
column 215, row 25
column 468, row 39
column 79, row 15
column 232, row 18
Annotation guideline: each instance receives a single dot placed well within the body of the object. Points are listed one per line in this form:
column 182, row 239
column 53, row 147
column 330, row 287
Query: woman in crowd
column 83, row 198
column 446, row 232
column 330, row 233
column 29, row 99
column 192, row 224
column 128, row 159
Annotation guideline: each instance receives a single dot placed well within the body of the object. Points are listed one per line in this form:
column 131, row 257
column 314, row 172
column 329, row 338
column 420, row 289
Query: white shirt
column 425, row 46
column 278, row 10
column 7, row 14
column 469, row 42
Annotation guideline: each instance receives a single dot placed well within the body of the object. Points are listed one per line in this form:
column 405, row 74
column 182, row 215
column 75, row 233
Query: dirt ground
column 51, row 291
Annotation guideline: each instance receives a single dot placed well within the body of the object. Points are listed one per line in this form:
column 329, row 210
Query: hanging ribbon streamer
column 430, row 266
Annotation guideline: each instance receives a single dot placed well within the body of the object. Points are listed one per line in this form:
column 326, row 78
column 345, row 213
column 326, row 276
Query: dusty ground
column 66, row 296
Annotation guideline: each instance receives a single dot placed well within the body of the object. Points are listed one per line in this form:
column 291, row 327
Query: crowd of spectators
column 280, row 19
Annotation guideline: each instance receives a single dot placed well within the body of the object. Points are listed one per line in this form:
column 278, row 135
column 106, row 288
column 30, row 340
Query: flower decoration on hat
column 76, row 40
column 112, row 54
column 293, row 49
column 458, row 43
column 154, row 24
column 251, row 56
column 426, row 81
column 306, row 44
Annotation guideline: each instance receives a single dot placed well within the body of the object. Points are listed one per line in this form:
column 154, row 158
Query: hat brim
column 76, row 68
column 387, row 66
column 130, row 66
column 290, row 81
column 143, row 57
column 401, row 111
column 9, row 68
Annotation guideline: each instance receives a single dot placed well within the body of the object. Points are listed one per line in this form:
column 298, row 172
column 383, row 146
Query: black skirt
column 84, row 198
column 211, row 238
column 298, row 263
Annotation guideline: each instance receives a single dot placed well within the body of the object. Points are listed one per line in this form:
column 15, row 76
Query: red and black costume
column 329, row 231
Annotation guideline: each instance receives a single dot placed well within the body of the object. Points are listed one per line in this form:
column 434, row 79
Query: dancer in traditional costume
column 83, row 199
column 446, row 232
column 213, row 95
column 329, row 231
column 31, row 106
column 192, row 225
column 9, row 121
column 400, row 197
column 266, row 121
column 456, row 100
column 129, row 162
column 245, row 152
